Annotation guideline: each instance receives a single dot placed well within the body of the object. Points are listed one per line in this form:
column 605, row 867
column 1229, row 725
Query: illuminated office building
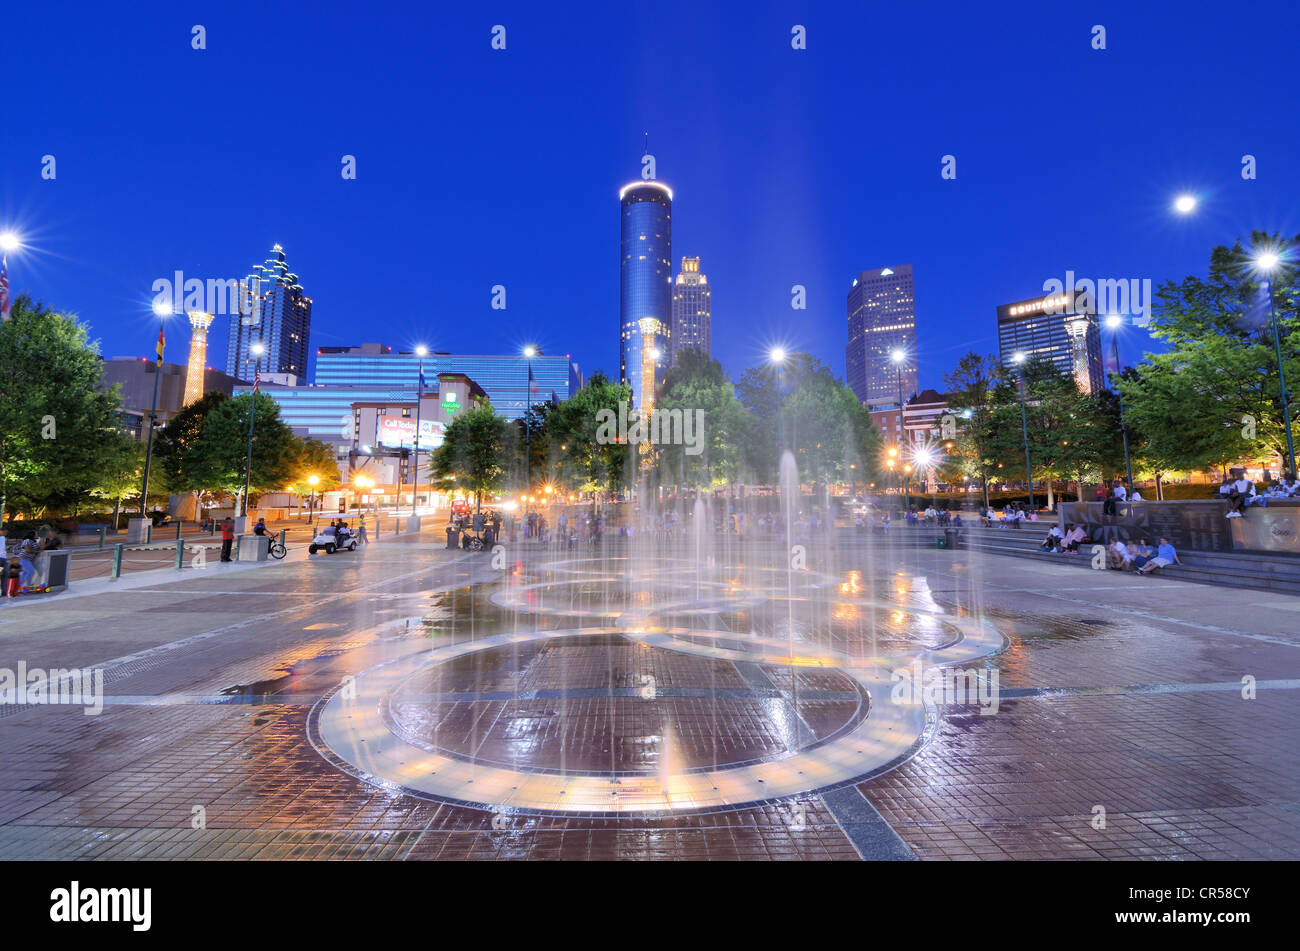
column 645, row 288
column 692, row 324
column 277, row 314
column 882, row 319
column 1058, row 328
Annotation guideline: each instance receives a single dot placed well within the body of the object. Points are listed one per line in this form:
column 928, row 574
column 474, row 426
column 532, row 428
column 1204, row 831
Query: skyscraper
column 277, row 314
column 1059, row 328
column 645, row 288
column 692, row 310
column 199, row 324
column 882, row 318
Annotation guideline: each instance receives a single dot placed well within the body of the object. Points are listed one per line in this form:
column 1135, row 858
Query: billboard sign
column 398, row 432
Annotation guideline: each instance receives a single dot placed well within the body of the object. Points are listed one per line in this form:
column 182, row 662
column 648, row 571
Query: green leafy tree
column 476, row 451
column 697, row 389
column 218, row 459
column 314, row 457
column 56, row 423
column 1214, row 397
column 580, row 459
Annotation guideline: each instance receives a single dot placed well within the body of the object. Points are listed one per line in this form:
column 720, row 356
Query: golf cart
column 328, row 540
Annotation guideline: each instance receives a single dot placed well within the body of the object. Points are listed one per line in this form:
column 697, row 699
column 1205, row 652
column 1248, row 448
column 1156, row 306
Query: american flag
column 257, row 379
column 4, row 289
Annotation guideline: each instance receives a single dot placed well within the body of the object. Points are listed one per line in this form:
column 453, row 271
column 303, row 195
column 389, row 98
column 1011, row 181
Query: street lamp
column 897, row 356
column 312, row 481
column 8, row 242
column 163, row 310
column 1267, row 262
column 1185, row 204
column 529, row 352
column 421, row 351
column 776, row 356
column 256, row 350
column 1018, row 358
column 1114, row 322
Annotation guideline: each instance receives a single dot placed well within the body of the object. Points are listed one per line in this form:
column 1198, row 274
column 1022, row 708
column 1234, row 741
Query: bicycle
column 277, row 549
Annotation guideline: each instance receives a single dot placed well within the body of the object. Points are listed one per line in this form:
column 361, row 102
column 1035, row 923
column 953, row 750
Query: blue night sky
column 478, row 167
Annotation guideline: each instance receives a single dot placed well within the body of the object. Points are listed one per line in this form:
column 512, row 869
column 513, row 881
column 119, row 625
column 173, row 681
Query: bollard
column 148, row 534
column 178, row 531
column 117, row 561
column 239, row 540
column 283, row 533
column 397, row 526
column 180, row 553
column 102, row 532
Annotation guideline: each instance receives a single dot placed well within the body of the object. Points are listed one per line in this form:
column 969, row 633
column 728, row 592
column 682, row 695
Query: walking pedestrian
column 227, row 537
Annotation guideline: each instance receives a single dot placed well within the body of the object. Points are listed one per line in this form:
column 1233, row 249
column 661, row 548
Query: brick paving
column 211, row 679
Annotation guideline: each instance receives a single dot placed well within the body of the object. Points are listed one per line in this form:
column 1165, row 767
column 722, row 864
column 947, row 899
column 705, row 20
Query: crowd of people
column 1241, row 492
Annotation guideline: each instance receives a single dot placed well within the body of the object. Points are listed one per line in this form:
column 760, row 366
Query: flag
column 160, row 346
column 257, row 380
column 422, row 384
column 4, row 289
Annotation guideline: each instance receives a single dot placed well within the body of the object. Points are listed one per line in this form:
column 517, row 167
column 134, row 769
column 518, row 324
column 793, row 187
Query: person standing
column 4, row 566
column 362, row 538
column 227, row 537
column 28, row 549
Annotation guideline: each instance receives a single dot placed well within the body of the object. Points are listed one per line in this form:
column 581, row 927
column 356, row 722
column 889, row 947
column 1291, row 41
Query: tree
column 475, row 451
column 580, row 459
column 219, row 457
column 313, row 457
column 174, row 443
column 1215, row 396
column 971, row 390
column 56, row 424
column 697, row 389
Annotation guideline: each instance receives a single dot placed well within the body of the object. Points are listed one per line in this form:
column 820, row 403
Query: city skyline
column 88, row 249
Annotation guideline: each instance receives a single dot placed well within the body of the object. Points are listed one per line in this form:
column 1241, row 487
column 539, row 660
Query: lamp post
column 1019, row 359
column 257, row 350
column 1267, row 262
column 420, row 351
column 776, row 356
column 8, row 242
column 529, row 352
column 162, row 310
column 897, row 357
column 1114, row 322
column 312, row 481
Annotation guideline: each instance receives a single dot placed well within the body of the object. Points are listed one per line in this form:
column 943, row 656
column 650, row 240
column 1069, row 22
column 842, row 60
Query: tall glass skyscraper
column 882, row 318
column 276, row 314
column 692, row 310
column 1058, row 328
column 645, row 288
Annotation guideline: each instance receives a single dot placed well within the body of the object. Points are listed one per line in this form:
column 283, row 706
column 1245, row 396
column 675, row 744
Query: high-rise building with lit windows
column 882, row 319
column 1059, row 328
column 277, row 314
column 645, row 288
column 692, row 310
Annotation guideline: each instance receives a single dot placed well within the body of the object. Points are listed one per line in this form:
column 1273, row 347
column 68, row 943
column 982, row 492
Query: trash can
column 951, row 538
column 942, row 540
column 453, row 536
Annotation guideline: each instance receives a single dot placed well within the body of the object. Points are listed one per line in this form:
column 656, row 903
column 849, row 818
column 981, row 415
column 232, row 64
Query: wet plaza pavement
column 657, row 701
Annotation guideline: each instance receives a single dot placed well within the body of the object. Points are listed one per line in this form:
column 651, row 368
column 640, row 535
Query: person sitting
column 1288, row 487
column 1118, row 557
column 1113, row 497
column 260, row 527
column 1074, row 537
column 1052, row 542
column 956, row 520
column 1241, row 494
column 1143, row 554
column 1166, row 555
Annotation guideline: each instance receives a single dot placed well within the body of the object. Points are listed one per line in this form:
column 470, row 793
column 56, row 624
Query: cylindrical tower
column 199, row 324
column 646, row 287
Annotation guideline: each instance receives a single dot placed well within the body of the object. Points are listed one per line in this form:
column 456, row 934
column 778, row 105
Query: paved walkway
column 228, row 725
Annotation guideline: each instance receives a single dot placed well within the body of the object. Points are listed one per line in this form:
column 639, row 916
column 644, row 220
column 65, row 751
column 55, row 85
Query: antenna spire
column 646, row 151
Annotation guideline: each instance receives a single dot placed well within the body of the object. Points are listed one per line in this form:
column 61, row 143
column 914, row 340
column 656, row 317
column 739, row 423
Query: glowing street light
column 1185, row 204
column 1018, row 358
column 9, row 242
column 162, row 310
column 529, row 352
column 1266, row 262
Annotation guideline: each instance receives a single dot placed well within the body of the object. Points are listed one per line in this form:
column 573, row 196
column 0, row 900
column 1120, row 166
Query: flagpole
column 153, row 410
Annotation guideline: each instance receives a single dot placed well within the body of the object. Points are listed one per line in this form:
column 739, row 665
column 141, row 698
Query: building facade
column 692, row 324
column 881, row 319
column 1058, row 328
column 135, row 376
column 504, row 377
column 645, row 288
column 277, row 314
